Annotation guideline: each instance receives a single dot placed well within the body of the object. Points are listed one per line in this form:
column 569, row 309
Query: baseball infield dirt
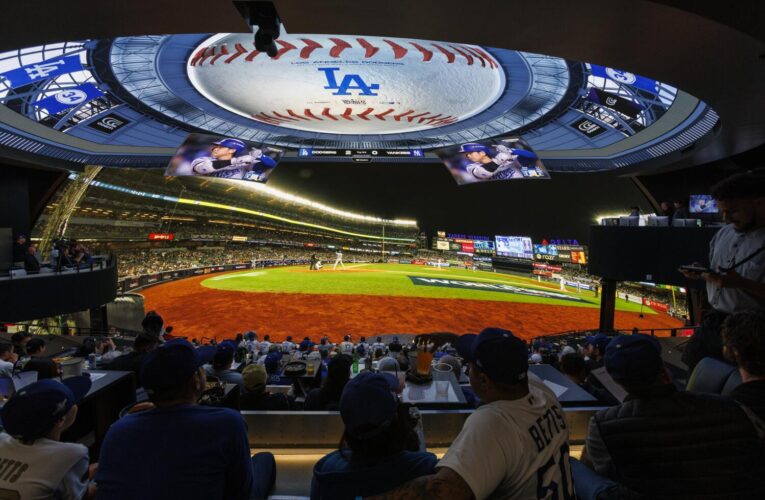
column 198, row 312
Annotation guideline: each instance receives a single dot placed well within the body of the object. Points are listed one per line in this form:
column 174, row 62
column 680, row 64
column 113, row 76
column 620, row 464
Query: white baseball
column 347, row 84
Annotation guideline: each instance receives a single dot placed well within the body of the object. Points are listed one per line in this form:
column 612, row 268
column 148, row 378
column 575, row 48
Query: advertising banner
column 161, row 236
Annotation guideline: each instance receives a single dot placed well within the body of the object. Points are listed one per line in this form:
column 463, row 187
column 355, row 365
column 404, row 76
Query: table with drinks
column 440, row 390
column 432, row 385
column 305, row 380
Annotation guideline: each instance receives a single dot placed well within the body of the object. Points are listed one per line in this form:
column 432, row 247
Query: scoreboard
column 570, row 254
column 461, row 243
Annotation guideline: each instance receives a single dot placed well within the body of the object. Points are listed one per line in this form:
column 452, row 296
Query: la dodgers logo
column 42, row 70
column 350, row 81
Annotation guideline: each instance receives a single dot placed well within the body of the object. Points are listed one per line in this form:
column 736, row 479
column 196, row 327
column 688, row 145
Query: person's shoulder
column 222, row 418
column 63, row 451
column 538, row 385
column 756, row 387
column 420, row 459
column 331, row 462
column 724, row 232
column 5, row 439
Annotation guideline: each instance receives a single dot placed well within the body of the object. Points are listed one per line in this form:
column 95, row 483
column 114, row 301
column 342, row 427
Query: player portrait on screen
column 492, row 160
column 703, row 204
column 227, row 158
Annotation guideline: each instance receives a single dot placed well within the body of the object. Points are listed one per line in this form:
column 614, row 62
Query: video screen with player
column 574, row 254
column 484, row 246
column 514, row 246
column 225, row 158
column 509, row 158
column 702, row 204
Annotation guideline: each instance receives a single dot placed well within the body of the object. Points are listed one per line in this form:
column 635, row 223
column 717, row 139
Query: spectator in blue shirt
column 222, row 362
column 273, row 367
column 180, row 449
column 373, row 457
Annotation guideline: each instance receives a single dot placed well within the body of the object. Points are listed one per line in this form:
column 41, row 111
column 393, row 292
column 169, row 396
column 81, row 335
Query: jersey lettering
column 11, row 470
column 547, row 427
column 547, row 488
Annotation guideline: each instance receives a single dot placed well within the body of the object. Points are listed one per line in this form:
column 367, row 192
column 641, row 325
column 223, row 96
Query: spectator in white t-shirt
column 288, row 346
column 379, row 345
column 8, row 360
column 513, row 446
column 251, row 342
column 36, row 464
column 346, row 346
column 265, row 345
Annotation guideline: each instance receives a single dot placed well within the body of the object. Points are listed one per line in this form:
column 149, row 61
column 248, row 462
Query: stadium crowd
column 494, row 456
column 135, row 262
column 655, row 439
column 64, row 254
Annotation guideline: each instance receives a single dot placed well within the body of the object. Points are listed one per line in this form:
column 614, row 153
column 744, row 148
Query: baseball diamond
column 370, row 299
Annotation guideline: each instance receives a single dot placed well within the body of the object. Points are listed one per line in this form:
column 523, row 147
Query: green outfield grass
column 393, row 280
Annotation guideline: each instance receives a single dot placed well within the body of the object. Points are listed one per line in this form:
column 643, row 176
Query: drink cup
column 424, row 360
column 442, row 379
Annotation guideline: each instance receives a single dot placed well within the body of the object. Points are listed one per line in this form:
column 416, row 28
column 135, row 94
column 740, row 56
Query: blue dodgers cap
column 497, row 353
column 235, row 144
column 472, row 147
column 634, row 359
column 368, row 405
column 224, row 352
column 598, row 340
column 173, row 363
column 32, row 412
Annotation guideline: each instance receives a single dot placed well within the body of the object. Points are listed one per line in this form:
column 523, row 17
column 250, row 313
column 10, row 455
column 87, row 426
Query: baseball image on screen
column 515, row 246
column 347, row 84
column 702, row 204
column 493, row 160
column 224, row 157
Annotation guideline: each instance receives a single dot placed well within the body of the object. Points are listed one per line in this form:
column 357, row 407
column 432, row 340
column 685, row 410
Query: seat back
column 711, row 376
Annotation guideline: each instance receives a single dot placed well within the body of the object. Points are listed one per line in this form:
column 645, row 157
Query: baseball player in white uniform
column 485, row 164
column 338, row 260
column 226, row 161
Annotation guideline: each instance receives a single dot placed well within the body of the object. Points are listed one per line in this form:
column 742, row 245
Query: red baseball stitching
column 211, row 55
column 291, row 116
column 208, row 54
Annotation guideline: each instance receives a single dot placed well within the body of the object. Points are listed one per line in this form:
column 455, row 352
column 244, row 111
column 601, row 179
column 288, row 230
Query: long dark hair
column 338, row 374
column 397, row 437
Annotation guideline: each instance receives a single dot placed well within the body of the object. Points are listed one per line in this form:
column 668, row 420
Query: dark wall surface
column 24, row 193
column 562, row 207
column 48, row 295
column 648, row 253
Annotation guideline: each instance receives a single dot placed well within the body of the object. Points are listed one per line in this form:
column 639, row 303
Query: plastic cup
column 424, row 360
column 442, row 379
